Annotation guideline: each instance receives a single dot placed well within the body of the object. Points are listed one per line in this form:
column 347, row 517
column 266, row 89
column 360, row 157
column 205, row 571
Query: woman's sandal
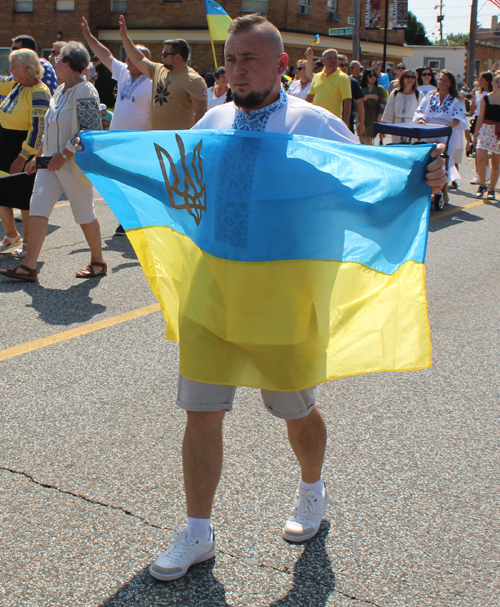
column 19, row 252
column 12, row 243
column 89, row 272
column 31, row 276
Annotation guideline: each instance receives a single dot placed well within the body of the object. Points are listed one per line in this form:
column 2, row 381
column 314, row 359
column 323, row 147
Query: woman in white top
column 217, row 94
column 73, row 108
column 445, row 106
column 403, row 101
column 301, row 85
column 426, row 80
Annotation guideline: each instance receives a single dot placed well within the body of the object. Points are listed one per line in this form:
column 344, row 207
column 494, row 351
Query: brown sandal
column 32, row 275
column 89, row 272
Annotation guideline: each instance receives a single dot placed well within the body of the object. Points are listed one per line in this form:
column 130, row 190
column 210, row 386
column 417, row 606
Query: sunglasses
column 301, row 68
column 426, row 74
column 412, row 76
column 167, row 54
column 342, row 64
column 400, row 68
column 54, row 52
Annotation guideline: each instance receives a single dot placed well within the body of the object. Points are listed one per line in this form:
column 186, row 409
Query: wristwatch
column 64, row 156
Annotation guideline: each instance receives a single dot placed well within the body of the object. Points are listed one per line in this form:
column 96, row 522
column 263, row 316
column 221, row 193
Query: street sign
column 340, row 31
column 351, row 21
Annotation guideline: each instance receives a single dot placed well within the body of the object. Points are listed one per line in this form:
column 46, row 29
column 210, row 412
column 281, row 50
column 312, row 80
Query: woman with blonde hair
column 73, row 108
column 21, row 130
column 301, row 85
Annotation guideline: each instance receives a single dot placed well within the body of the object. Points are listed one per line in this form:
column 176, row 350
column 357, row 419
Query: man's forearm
column 102, row 52
column 361, row 111
column 134, row 54
column 346, row 113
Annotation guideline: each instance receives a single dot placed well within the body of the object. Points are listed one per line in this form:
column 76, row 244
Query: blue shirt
column 384, row 81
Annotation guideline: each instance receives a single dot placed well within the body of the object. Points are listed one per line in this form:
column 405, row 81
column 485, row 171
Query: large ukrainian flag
column 279, row 261
column 218, row 20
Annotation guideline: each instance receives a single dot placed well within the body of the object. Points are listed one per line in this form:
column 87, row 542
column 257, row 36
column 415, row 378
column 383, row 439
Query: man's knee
column 204, row 421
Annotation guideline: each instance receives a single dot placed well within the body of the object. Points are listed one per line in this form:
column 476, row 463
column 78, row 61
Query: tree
column 415, row 32
column 456, row 40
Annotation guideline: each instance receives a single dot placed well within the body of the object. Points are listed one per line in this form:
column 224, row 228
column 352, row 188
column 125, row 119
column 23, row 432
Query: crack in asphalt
column 95, row 502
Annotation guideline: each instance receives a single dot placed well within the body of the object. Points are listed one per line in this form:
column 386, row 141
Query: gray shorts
column 198, row 396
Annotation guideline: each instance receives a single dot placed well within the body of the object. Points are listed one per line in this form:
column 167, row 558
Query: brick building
column 152, row 21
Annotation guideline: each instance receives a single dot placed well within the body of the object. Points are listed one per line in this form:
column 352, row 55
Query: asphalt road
column 90, row 475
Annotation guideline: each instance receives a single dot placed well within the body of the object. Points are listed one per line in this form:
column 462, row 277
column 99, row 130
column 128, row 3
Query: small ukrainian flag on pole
column 218, row 23
column 316, row 40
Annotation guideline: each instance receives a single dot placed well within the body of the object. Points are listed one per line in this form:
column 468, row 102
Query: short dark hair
column 246, row 22
column 26, row 41
column 179, row 47
column 319, row 63
column 219, row 71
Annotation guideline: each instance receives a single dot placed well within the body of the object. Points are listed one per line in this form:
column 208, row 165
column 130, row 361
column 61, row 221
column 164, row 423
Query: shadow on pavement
column 313, row 583
column 452, row 220
column 198, row 588
column 120, row 244
column 313, row 576
column 58, row 306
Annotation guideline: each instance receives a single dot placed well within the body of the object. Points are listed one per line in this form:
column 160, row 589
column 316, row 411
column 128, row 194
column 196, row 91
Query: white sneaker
column 475, row 179
column 308, row 510
column 183, row 552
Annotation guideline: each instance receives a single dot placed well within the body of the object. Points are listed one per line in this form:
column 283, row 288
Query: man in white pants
column 255, row 61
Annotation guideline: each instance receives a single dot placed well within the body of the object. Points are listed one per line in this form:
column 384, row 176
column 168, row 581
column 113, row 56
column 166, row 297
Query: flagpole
column 213, row 50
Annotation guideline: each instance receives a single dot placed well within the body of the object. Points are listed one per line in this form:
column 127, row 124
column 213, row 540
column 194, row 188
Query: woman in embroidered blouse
column 74, row 107
column 375, row 98
column 21, row 130
column 403, row 101
column 217, row 94
column 444, row 106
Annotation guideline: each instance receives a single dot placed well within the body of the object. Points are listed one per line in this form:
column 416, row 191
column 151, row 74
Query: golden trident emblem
column 194, row 193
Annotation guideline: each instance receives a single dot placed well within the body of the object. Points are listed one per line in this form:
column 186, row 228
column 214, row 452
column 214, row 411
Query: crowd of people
column 171, row 95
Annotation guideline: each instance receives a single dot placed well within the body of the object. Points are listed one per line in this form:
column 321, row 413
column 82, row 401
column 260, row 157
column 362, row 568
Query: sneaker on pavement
column 183, row 552
column 480, row 191
column 305, row 519
column 491, row 195
column 453, row 185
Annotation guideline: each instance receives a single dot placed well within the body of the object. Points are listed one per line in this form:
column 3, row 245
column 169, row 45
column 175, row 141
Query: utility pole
column 471, row 47
column 440, row 21
column 356, row 47
column 386, row 29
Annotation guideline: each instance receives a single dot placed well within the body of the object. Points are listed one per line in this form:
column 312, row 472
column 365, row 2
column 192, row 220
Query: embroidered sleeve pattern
column 39, row 105
column 88, row 116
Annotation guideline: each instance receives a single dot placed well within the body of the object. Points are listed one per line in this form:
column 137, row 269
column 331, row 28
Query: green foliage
column 415, row 32
column 455, row 40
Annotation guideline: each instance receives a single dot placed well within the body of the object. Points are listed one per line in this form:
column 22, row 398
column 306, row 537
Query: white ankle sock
column 200, row 527
column 317, row 487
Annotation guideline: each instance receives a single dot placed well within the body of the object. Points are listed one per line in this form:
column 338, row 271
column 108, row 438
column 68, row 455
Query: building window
column 118, row 6
column 4, row 60
column 254, row 6
column 24, row 6
column 65, row 5
column 304, row 7
column 435, row 63
column 331, row 5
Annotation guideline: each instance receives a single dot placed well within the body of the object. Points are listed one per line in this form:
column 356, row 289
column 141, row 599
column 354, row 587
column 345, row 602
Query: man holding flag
column 255, row 60
column 265, row 290
column 179, row 93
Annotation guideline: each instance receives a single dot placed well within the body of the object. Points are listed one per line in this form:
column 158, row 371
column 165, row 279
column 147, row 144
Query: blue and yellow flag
column 279, row 261
column 218, row 20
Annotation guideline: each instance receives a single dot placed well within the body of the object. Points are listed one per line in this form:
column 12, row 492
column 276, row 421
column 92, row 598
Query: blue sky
column 456, row 12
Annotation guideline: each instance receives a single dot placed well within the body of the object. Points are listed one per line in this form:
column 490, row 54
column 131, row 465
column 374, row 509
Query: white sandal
column 20, row 252
column 12, row 243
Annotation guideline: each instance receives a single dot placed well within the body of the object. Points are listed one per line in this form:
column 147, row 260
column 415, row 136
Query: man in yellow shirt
column 331, row 88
